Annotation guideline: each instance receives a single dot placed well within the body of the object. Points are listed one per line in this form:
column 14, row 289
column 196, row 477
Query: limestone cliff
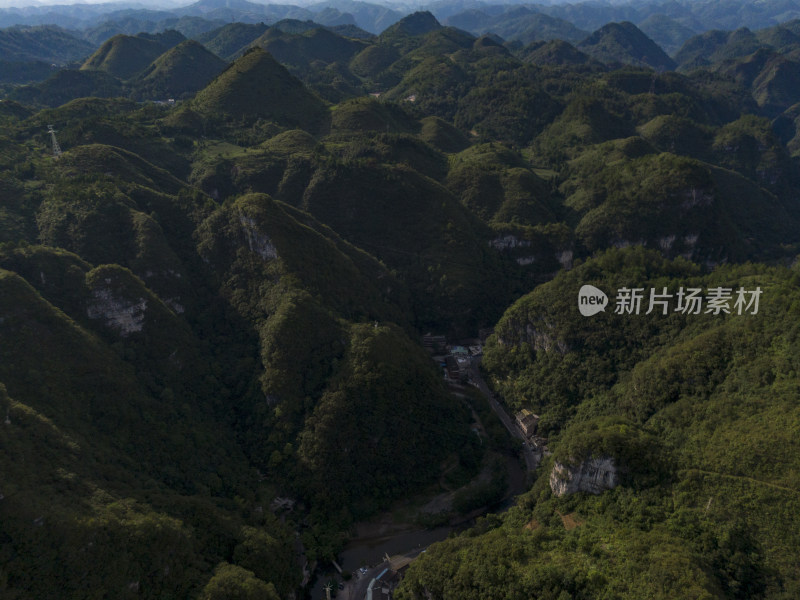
column 594, row 475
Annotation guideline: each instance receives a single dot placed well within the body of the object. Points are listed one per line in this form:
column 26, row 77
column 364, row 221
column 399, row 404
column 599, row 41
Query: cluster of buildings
column 382, row 586
column 455, row 359
column 528, row 424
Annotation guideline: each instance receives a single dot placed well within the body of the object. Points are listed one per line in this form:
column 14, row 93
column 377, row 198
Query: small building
column 527, row 422
column 459, row 351
column 434, row 342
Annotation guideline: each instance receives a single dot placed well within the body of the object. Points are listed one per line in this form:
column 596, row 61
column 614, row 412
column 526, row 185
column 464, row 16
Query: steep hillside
column 403, row 33
column 192, row 318
column 169, row 38
column 518, row 23
column 213, row 308
column 771, row 78
column 667, row 32
column 715, row 46
column 46, row 43
column 255, row 87
column 300, row 50
column 626, row 44
column 180, row 71
column 556, row 52
column 124, row 56
column 664, row 406
column 318, row 57
column 228, row 40
column 63, row 86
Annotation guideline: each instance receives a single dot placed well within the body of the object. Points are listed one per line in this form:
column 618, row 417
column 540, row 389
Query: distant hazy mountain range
column 680, row 35
column 669, row 23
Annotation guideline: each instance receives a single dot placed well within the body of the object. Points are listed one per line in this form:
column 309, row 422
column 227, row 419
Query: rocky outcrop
column 508, row 242
column 119, row 313
column 257, row 240
column 594, row 475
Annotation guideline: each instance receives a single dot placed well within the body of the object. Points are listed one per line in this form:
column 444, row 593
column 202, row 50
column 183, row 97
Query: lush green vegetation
column 257, row 87
column 44, row 43
column 178, row 73
column 124, row 56
column 626, row 44
column 698, row 411
column 210, row 306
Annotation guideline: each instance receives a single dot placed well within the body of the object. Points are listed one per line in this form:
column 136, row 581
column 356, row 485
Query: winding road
column 531, row 457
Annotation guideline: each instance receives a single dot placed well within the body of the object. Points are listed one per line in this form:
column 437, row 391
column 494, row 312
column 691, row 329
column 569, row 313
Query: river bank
column 388, row 535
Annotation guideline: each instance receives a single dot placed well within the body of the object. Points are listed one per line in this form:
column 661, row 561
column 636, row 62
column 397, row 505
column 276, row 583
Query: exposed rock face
column 122, row 314
column 565, row 258
column 541, row 336
column 257, row 241
column 508, row 242
column 594, row 475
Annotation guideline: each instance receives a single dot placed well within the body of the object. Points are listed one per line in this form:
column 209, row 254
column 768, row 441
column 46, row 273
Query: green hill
column 771, row 78
column 67, row 85
column 300, row 50
column 318, row 57
column 667, row 32
column 180, row 71
column 227, row 41
column 626, row 44
column 418, row 23
column 519, row 23
column 110, row 122
column 776, row 87
column 210, row 312
column 373, row 60
column 673, row 401
column 415, row 222
column 785, row 37
column 124, row 56
column 556, row 52
column 43, row 43
column 352, row 31
column 499, row 187
column 145, row 322
column 368, row 114
column 255, row 87
column 715, row 46
column 442, row 135
column 15, row 72
column 404, row 33
column 168, row 38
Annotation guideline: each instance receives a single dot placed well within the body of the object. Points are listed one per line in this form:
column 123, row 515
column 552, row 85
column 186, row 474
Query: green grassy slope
column 256, row 86
column 124, row 56
column 179, row 72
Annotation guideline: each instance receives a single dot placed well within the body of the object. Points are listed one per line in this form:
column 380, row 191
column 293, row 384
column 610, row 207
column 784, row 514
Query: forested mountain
column 228, row 40
column 211, row 308
column 624, row 43
column 124, row 56
column 48, row 44
column 695, row 411
column 180, row 71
